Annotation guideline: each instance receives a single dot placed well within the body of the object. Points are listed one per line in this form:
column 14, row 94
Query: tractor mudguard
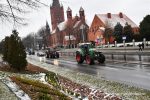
column 81, row 52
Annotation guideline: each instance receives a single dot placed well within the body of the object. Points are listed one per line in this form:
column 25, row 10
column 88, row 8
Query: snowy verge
column 15, row 89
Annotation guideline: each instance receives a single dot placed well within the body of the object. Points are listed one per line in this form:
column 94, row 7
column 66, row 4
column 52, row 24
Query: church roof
column 56, row 3
column 54, row 31
column 69, row 9
column 76, row 24
column 62, row 26
column 115, row 18
column 81, row 9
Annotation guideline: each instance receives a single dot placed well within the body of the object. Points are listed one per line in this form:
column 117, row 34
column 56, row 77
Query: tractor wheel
column 79, row 58
column 101, row 58
column 89, row 60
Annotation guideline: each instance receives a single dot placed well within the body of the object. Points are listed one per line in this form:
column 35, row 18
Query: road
column 131, row 74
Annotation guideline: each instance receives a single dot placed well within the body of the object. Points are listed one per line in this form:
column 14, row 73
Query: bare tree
column 13, row 10
column 44, row 33
column 28, row 41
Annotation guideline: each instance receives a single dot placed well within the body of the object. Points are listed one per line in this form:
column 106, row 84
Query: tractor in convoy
column 52, row 53
column 88, row 52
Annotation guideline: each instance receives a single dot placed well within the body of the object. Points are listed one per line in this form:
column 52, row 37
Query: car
column 52, row 53
column 31, row 52
column 40, row 54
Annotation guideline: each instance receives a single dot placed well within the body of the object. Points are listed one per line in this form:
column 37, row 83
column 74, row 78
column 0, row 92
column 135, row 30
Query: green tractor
column 88, row 52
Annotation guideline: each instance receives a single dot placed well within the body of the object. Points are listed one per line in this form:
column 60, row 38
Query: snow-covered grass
column 5, row 93
column 110, row 87
column 16, row 90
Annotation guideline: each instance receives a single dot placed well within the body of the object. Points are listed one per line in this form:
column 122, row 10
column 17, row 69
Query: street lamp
column 124, row 38
column 69, row 41
column 101, row 40
column 82, row 27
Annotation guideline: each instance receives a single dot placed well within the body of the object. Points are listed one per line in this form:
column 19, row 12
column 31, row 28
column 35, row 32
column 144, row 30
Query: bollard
column 133, row 42
column 144, row 41
column 108, row 44
column 115, row 43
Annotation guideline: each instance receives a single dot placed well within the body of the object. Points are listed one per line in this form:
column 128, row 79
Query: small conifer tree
column 14, row 52
column 127, row 31
column 118, row 30
column 145, row 27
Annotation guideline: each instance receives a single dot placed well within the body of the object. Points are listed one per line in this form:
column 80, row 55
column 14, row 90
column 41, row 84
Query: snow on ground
column 15, row 89
column 93, row 82
column 39, row 77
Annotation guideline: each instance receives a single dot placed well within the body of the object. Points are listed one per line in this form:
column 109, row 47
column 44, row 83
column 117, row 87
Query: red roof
column 114, row 19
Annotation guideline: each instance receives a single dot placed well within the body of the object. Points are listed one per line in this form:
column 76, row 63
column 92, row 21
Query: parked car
column 52, row 53
column 31, row 52
column 40, row 53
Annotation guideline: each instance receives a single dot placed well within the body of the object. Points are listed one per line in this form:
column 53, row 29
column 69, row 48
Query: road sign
column 124, row 37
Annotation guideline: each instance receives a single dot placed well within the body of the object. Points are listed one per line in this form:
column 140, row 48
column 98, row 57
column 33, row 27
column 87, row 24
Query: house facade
column 101, row 21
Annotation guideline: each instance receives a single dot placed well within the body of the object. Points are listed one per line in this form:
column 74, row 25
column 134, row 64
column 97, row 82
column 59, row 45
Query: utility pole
column 69, row 41
column 82, row 27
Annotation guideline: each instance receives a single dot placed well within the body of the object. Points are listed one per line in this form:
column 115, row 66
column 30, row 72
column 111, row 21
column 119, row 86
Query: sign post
column 124, row 39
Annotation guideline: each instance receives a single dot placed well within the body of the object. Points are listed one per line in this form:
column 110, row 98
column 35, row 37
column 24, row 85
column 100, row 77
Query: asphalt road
column 131, row 74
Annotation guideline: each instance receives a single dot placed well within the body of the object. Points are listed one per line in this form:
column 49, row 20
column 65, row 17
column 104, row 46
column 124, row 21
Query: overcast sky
column 134, row 9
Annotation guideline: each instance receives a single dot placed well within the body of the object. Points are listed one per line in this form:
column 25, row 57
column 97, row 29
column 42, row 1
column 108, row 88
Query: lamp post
column 82, row 27
column 69, row 41
column 101, row 40
column 124, row 38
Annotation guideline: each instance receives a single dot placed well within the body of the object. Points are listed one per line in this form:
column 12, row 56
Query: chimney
column 109, row 15
column 120, row 15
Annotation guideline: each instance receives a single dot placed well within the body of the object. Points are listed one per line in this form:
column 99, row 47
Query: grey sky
column 134, row 9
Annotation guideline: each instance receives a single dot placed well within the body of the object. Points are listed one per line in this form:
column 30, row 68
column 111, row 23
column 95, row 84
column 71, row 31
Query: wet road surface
column 131, row 74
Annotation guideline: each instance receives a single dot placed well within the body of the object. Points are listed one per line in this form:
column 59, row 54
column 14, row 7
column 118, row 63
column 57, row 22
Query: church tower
column 69, row 14
column 81, row 13
column 57, row 13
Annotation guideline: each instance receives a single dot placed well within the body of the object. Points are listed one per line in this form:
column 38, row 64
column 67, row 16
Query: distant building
column 67, row 32
column 101, row 21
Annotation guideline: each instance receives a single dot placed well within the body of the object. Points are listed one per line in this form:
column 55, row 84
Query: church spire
column 69, row 13
column 81, row 13
column 56, row 3
column 57, row 14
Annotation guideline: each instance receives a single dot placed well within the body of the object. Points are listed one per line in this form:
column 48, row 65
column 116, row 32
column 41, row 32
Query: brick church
column 67, row 32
